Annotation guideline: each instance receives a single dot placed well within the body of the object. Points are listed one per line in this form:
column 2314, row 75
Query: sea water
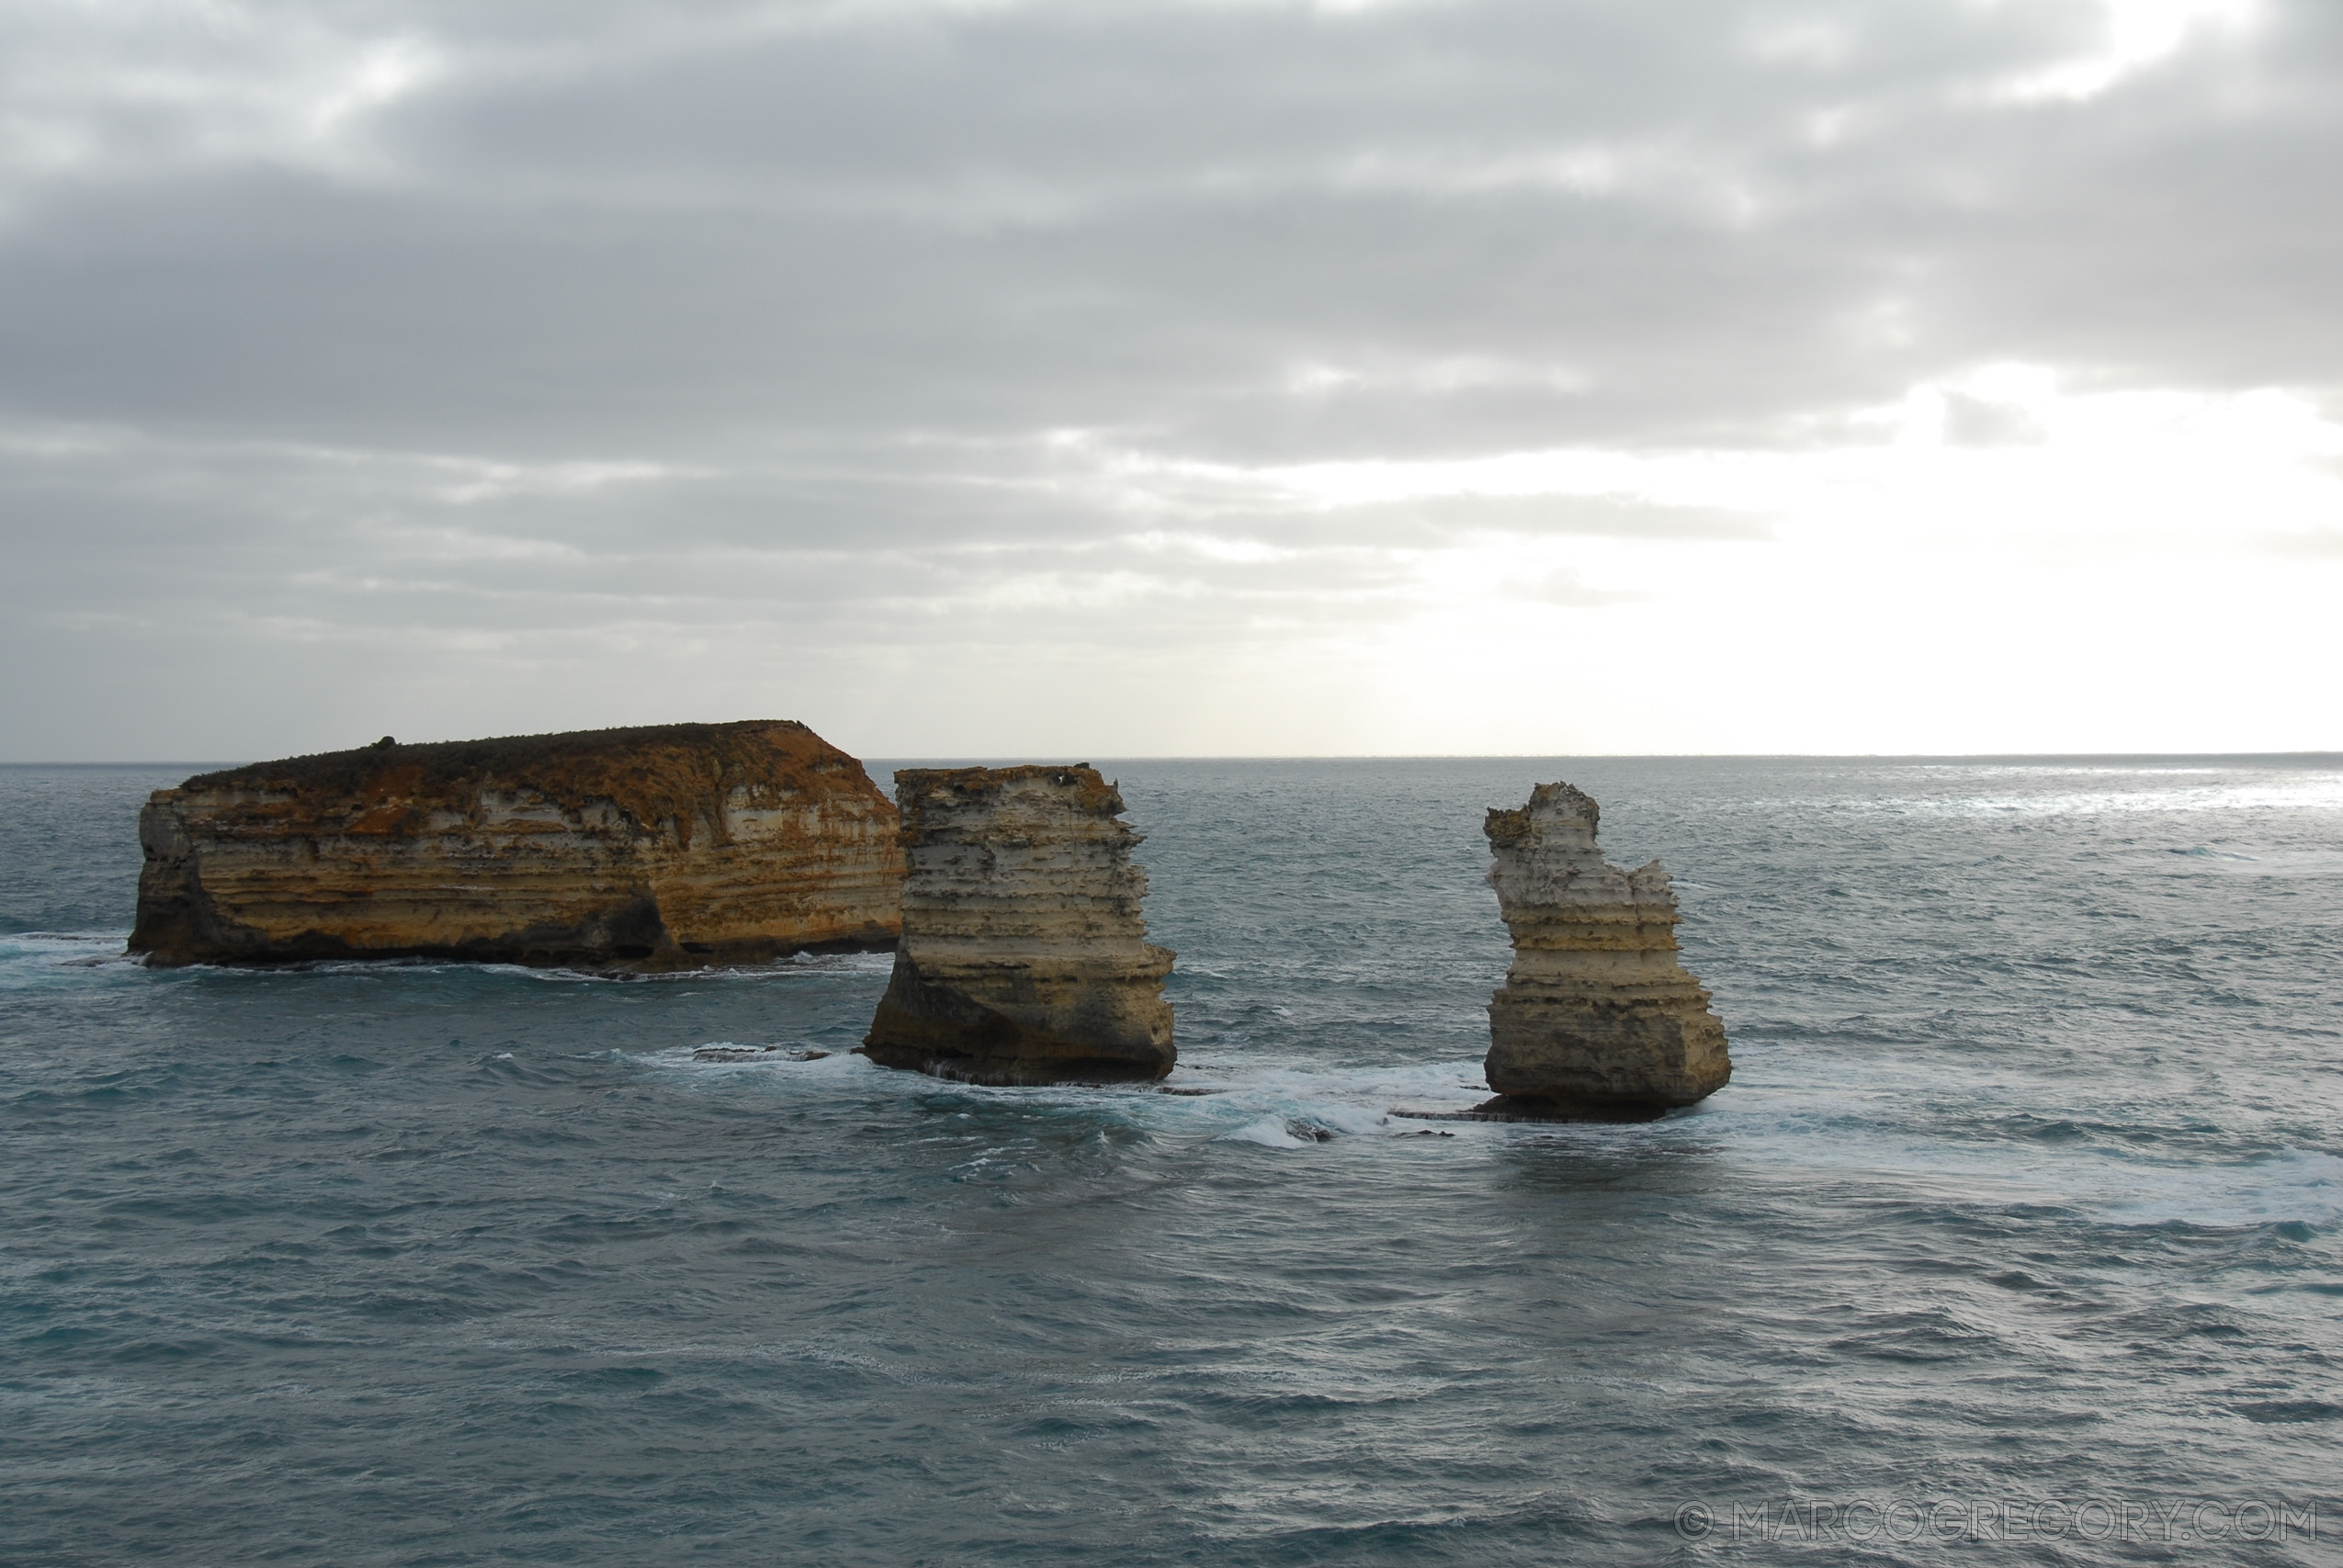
column 2017, row 1226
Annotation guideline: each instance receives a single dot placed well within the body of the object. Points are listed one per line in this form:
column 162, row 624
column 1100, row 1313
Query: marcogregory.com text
column 2142, row 1520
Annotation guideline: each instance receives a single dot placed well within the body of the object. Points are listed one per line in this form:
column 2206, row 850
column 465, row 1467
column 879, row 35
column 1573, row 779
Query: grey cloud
column 1600, row 516
column 319, row 544
column 1000, row 219
column 1980, row 421
column 871, row 295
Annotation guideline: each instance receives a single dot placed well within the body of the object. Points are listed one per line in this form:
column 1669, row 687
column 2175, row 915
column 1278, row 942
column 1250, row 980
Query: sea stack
column 1025, row 957
column 660, row 847
column 1597, row 1018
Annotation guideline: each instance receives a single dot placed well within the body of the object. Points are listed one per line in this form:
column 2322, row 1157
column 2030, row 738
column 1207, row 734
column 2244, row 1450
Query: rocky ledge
column 1025, row 956
column 1597, row 1019
column 658, row 848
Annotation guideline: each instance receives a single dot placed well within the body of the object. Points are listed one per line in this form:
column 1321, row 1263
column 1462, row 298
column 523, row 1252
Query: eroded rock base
column 1033, row 1029
column 1648, row 1042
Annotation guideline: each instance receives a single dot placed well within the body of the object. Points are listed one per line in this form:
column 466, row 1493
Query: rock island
column 665, row 847
column 1025, row 956
column 1597, row 1016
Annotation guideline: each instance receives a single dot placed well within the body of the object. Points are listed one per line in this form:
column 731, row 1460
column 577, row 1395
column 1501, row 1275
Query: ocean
column 2019, row 1229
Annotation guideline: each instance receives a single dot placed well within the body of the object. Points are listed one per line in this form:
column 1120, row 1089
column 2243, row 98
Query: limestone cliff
column 1597, row 1016
column 1025, row 957
column 657, row 848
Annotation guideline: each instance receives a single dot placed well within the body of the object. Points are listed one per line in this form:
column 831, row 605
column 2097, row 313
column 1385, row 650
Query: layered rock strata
column 1025, row 956
column 658, row 848
column 1597, row 1016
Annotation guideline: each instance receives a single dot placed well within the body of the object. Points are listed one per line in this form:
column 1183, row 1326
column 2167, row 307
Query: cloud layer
column 1138, row 377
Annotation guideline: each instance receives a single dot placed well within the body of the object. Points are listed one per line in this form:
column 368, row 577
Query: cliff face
column 658, row 848
column 1025, row 957
column 1596, row 1015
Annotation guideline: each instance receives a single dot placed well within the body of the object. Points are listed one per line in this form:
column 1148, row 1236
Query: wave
column 85, row 949
column 1280, row 1105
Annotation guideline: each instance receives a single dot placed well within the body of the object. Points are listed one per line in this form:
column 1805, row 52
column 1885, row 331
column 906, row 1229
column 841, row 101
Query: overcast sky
column 1098, row 378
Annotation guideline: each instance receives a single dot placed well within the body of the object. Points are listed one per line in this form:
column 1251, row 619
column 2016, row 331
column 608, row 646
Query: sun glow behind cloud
column 1909, row 589
column 2139, row 34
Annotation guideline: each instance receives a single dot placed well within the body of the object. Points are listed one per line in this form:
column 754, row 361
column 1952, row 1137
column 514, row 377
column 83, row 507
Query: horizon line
column 2336, row 755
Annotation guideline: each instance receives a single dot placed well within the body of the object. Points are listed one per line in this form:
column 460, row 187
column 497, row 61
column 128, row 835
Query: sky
column 1122, row 378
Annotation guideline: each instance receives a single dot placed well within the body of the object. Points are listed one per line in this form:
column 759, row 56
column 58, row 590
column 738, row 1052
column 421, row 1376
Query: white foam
column 1277, row 1104
column 1268, row 1133
column 55, row 958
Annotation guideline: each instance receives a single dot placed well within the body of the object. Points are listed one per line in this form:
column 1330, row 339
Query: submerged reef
column 1597, row 1019
column 665, row 847
column 1025, row 956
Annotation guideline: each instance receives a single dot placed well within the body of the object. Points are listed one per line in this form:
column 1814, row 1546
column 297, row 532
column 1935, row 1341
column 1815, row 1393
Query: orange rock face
column 658, row 848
